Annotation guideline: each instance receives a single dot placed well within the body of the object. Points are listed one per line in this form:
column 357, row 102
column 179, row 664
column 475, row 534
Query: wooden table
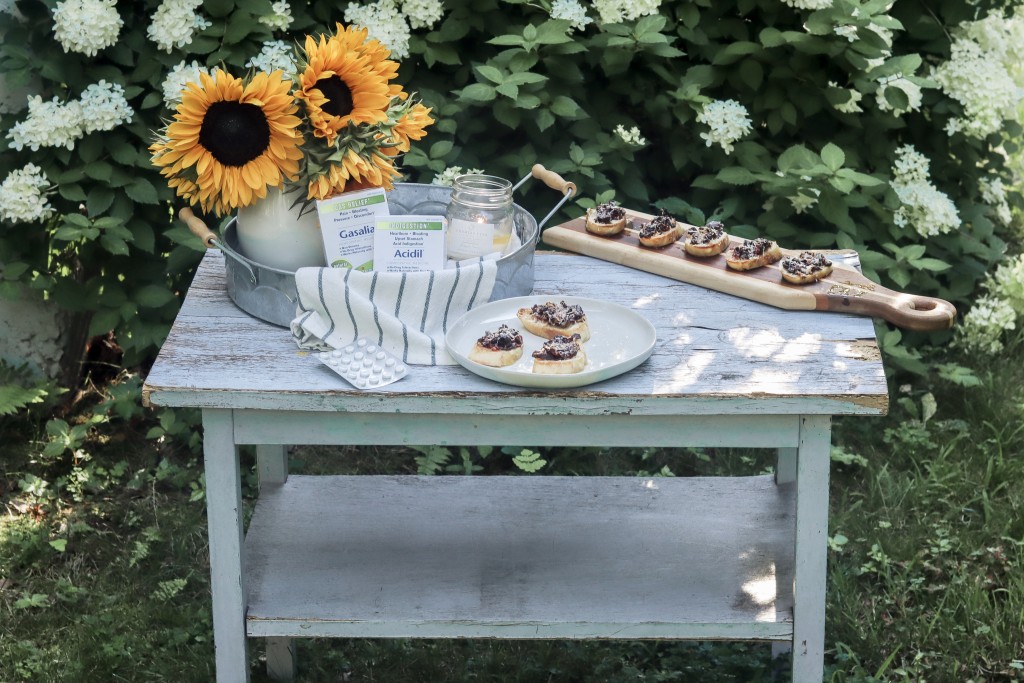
column 526, row 556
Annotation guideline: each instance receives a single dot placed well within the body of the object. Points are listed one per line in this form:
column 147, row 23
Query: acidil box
column 409, row 244
column 347, row 223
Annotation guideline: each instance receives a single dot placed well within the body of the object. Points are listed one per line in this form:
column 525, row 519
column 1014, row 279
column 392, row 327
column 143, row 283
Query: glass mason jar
column 479, row 216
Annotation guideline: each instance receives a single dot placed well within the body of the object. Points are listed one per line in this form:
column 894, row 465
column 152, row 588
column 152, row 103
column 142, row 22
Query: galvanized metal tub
column 269, row 293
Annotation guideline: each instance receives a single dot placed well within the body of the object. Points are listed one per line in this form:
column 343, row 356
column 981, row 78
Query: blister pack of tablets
column 364, row 365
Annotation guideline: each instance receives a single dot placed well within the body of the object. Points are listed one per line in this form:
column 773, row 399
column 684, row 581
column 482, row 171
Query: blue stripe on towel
column 423, row 321
column 405, row 330
column 348, row 305
column 476, row 289
column 376, row 311
column 320, row 286
column 451, row 295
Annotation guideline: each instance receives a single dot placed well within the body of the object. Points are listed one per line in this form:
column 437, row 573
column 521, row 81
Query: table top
column 715, row 354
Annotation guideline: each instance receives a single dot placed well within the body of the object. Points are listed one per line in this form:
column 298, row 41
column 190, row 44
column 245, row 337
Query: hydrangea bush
column 864, row 124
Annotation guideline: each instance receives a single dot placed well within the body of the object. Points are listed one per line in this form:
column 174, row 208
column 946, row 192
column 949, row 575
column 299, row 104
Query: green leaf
column 525, row 77
column 115, row 245
column 59, row 544
column 544, row 119
column 477, row 92
column 564, row 106
column 142, row 191
column 90, row 148
column 833, row 156
column 509, row 90
column 14, row 398
column 528, row 101
column 552, row 32
column 152, row 296
column 734, row 51
column 797, row 159
column 100, row 199
column 71, row 192
column 99, row 170
column 507, row 39
column 491, row 73
column 751, row 73
column 218, row 8
column 736, row 175
column 440, row 148
column 931, row 264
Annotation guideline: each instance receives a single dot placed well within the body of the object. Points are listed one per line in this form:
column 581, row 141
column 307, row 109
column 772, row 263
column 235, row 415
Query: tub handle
column 198, row 228
column 555, row 182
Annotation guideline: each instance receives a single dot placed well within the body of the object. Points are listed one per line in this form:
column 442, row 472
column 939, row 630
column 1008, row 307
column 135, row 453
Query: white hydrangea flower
column 571, row 11
column 882, row 32
column 980, row 82
column 852, row 105
column 809, row 4
column 276, row 55
column 983, row 326
column 848, row 31
column 281, row 19
column 448, row 175
column 384, row 22
column 182, row 73
column 174, row 22
column 104, row 107
column 618, row 11
column 993, row 192
column 801, row 202
column 728, row 121
column 1007, row 282
column 23, row 195
column 423, row 13
column 86, row 26
column 631, row 136
column 923, row 206
column 48, row 124
column 910, row 89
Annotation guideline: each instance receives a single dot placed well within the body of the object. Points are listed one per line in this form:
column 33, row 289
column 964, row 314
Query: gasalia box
column 347, row 223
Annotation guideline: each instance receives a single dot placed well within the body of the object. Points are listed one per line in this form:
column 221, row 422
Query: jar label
column 467, row 239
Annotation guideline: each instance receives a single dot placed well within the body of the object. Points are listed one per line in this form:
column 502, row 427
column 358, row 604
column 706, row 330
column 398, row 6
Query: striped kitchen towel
column 407, row 314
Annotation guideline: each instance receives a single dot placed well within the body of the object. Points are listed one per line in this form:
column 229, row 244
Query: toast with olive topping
column 806, row 268
column 498, row 349
column 560, row 356
column 606, row 219
column 549, row 320
column 753, row 254
column 709, row 240
column 662, row 231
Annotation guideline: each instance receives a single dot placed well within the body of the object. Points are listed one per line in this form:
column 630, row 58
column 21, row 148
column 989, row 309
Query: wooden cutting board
column 846, row 290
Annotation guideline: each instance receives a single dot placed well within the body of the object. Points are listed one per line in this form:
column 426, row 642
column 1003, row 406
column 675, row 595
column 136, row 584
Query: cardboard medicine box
column 409, row 244
column 347, row 223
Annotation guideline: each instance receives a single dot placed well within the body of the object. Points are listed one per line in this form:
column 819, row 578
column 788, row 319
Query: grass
column 103, row 557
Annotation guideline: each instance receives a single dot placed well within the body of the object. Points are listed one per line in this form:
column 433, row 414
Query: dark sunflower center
column 338, row 94
column 235, row 133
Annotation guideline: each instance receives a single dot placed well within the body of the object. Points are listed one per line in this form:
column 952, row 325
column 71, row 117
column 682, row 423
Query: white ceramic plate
column 620, row 340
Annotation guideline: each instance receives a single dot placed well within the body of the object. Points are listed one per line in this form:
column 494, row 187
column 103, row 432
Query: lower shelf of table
column 522, row 557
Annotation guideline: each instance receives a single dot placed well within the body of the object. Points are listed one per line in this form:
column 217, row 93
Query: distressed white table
column 526, row 557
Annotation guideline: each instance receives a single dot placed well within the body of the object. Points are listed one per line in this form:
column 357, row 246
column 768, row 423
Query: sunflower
column 230, row 141
column 353, row 172
column 345, row 81
column 411, row 126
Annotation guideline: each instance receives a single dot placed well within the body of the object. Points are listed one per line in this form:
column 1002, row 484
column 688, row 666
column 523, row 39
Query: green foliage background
column 511, row 87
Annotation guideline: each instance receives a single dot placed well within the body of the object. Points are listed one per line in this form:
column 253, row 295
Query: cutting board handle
column 909, row 311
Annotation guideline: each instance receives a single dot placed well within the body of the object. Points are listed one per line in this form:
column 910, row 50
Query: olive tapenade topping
column 558, row 315
column 505, row 339
column 559, row 348
column 659, row 225
column 711, row 232
column 609, row 213
column 806, row 263
column 752, row 248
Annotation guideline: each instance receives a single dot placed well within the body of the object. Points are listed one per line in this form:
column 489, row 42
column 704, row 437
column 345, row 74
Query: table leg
column 785, row 473
column 811, row 548
column 227, row 563
column 272, row 465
